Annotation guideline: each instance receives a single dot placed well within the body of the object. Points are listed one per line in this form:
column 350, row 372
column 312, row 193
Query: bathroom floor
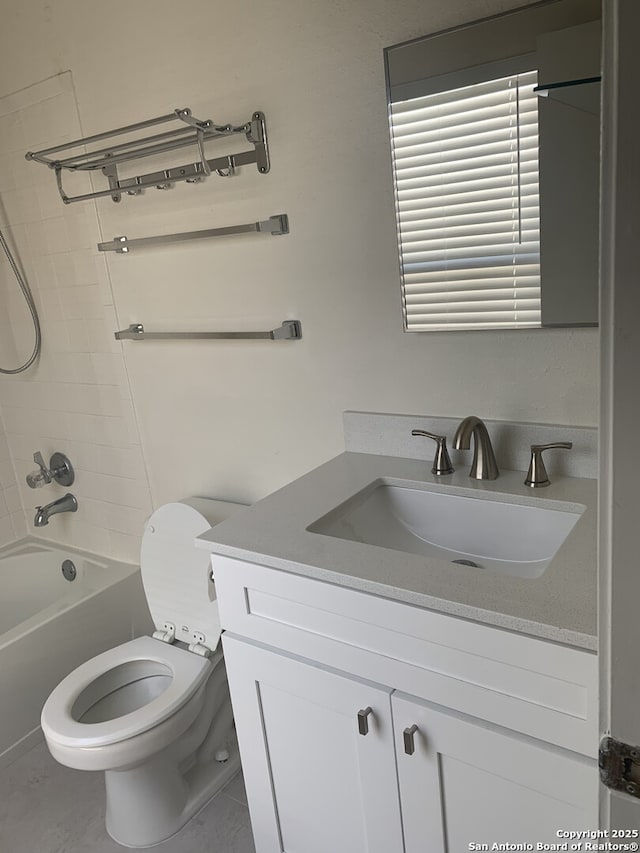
column 47, row 808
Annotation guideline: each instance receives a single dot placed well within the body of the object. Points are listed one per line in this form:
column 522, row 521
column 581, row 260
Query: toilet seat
column 187, row 673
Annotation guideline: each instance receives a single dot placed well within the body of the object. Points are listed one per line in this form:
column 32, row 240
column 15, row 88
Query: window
column 466, row 175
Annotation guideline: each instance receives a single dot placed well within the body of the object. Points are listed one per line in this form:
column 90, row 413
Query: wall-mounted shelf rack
column 274, row 225
column 117, row 151
column 290, row 330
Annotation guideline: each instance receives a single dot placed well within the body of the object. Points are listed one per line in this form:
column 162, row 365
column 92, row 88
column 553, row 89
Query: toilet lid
column 176, row 575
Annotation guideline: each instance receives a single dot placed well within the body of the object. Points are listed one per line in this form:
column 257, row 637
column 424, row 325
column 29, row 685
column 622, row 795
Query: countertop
column 559, row 606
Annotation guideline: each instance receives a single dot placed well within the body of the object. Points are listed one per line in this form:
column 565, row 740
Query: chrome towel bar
column 274, row 225
column 290, row 330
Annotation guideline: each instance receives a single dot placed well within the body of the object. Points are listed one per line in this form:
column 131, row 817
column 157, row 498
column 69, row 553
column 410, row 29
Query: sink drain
column 468, row 563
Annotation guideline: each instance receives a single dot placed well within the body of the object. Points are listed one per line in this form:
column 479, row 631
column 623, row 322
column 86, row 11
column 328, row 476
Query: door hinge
column 619, row 766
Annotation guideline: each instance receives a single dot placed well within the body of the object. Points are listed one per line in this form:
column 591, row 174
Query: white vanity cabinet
column 368, row 725
column 468, row 783
column 315, row 783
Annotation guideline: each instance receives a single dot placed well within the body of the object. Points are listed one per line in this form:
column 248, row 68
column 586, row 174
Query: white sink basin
column 489, row 530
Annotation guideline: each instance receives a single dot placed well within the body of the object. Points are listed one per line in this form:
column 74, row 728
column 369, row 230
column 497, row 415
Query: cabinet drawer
column 539, row 688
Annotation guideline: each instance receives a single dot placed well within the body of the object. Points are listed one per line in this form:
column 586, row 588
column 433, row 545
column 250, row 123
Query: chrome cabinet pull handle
column 363, row 720
column 409, row 739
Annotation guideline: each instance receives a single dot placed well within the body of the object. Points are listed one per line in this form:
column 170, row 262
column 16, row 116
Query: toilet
column 154, row 713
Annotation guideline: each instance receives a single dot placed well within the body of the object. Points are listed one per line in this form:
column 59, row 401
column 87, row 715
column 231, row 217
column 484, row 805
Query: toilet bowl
column 154, row 713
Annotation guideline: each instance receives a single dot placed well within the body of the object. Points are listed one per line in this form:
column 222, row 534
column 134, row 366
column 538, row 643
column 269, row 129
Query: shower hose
column 26, row 292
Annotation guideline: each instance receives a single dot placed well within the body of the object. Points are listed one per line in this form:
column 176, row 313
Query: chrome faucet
column 67, row 503
column 484, row 465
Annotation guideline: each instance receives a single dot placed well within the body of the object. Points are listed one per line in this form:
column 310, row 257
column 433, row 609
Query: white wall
column 238, row 420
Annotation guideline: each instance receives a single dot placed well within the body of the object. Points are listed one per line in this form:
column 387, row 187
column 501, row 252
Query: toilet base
column 148, row 804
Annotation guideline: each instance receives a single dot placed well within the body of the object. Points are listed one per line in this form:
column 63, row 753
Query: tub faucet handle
column 37, row 479
column 59, row 469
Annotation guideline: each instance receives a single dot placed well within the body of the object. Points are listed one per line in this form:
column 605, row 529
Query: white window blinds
column 466, row 169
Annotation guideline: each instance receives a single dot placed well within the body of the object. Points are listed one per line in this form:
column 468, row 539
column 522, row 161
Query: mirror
column 495, row 134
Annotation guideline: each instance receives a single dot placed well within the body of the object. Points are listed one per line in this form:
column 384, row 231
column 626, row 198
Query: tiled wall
column 77, row 399
column 11, row 515
column 9, row 496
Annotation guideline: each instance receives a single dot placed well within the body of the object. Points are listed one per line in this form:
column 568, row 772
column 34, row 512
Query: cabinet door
column 315, row 783
column 466, row 783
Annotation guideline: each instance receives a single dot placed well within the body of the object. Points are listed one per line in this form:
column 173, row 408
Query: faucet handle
column 37, row 479
column 537, row 474
column 441, row 463
column 60, row 470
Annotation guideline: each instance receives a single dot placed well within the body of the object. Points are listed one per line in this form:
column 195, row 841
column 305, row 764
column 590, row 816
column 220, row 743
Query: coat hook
column 230, row 171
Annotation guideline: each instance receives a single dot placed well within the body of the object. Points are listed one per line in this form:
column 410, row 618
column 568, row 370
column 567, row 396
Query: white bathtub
column 49, row 625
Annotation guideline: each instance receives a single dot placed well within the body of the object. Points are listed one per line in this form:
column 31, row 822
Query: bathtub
column 49, row 625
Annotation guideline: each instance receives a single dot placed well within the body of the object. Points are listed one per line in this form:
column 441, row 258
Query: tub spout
column 67, row 503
